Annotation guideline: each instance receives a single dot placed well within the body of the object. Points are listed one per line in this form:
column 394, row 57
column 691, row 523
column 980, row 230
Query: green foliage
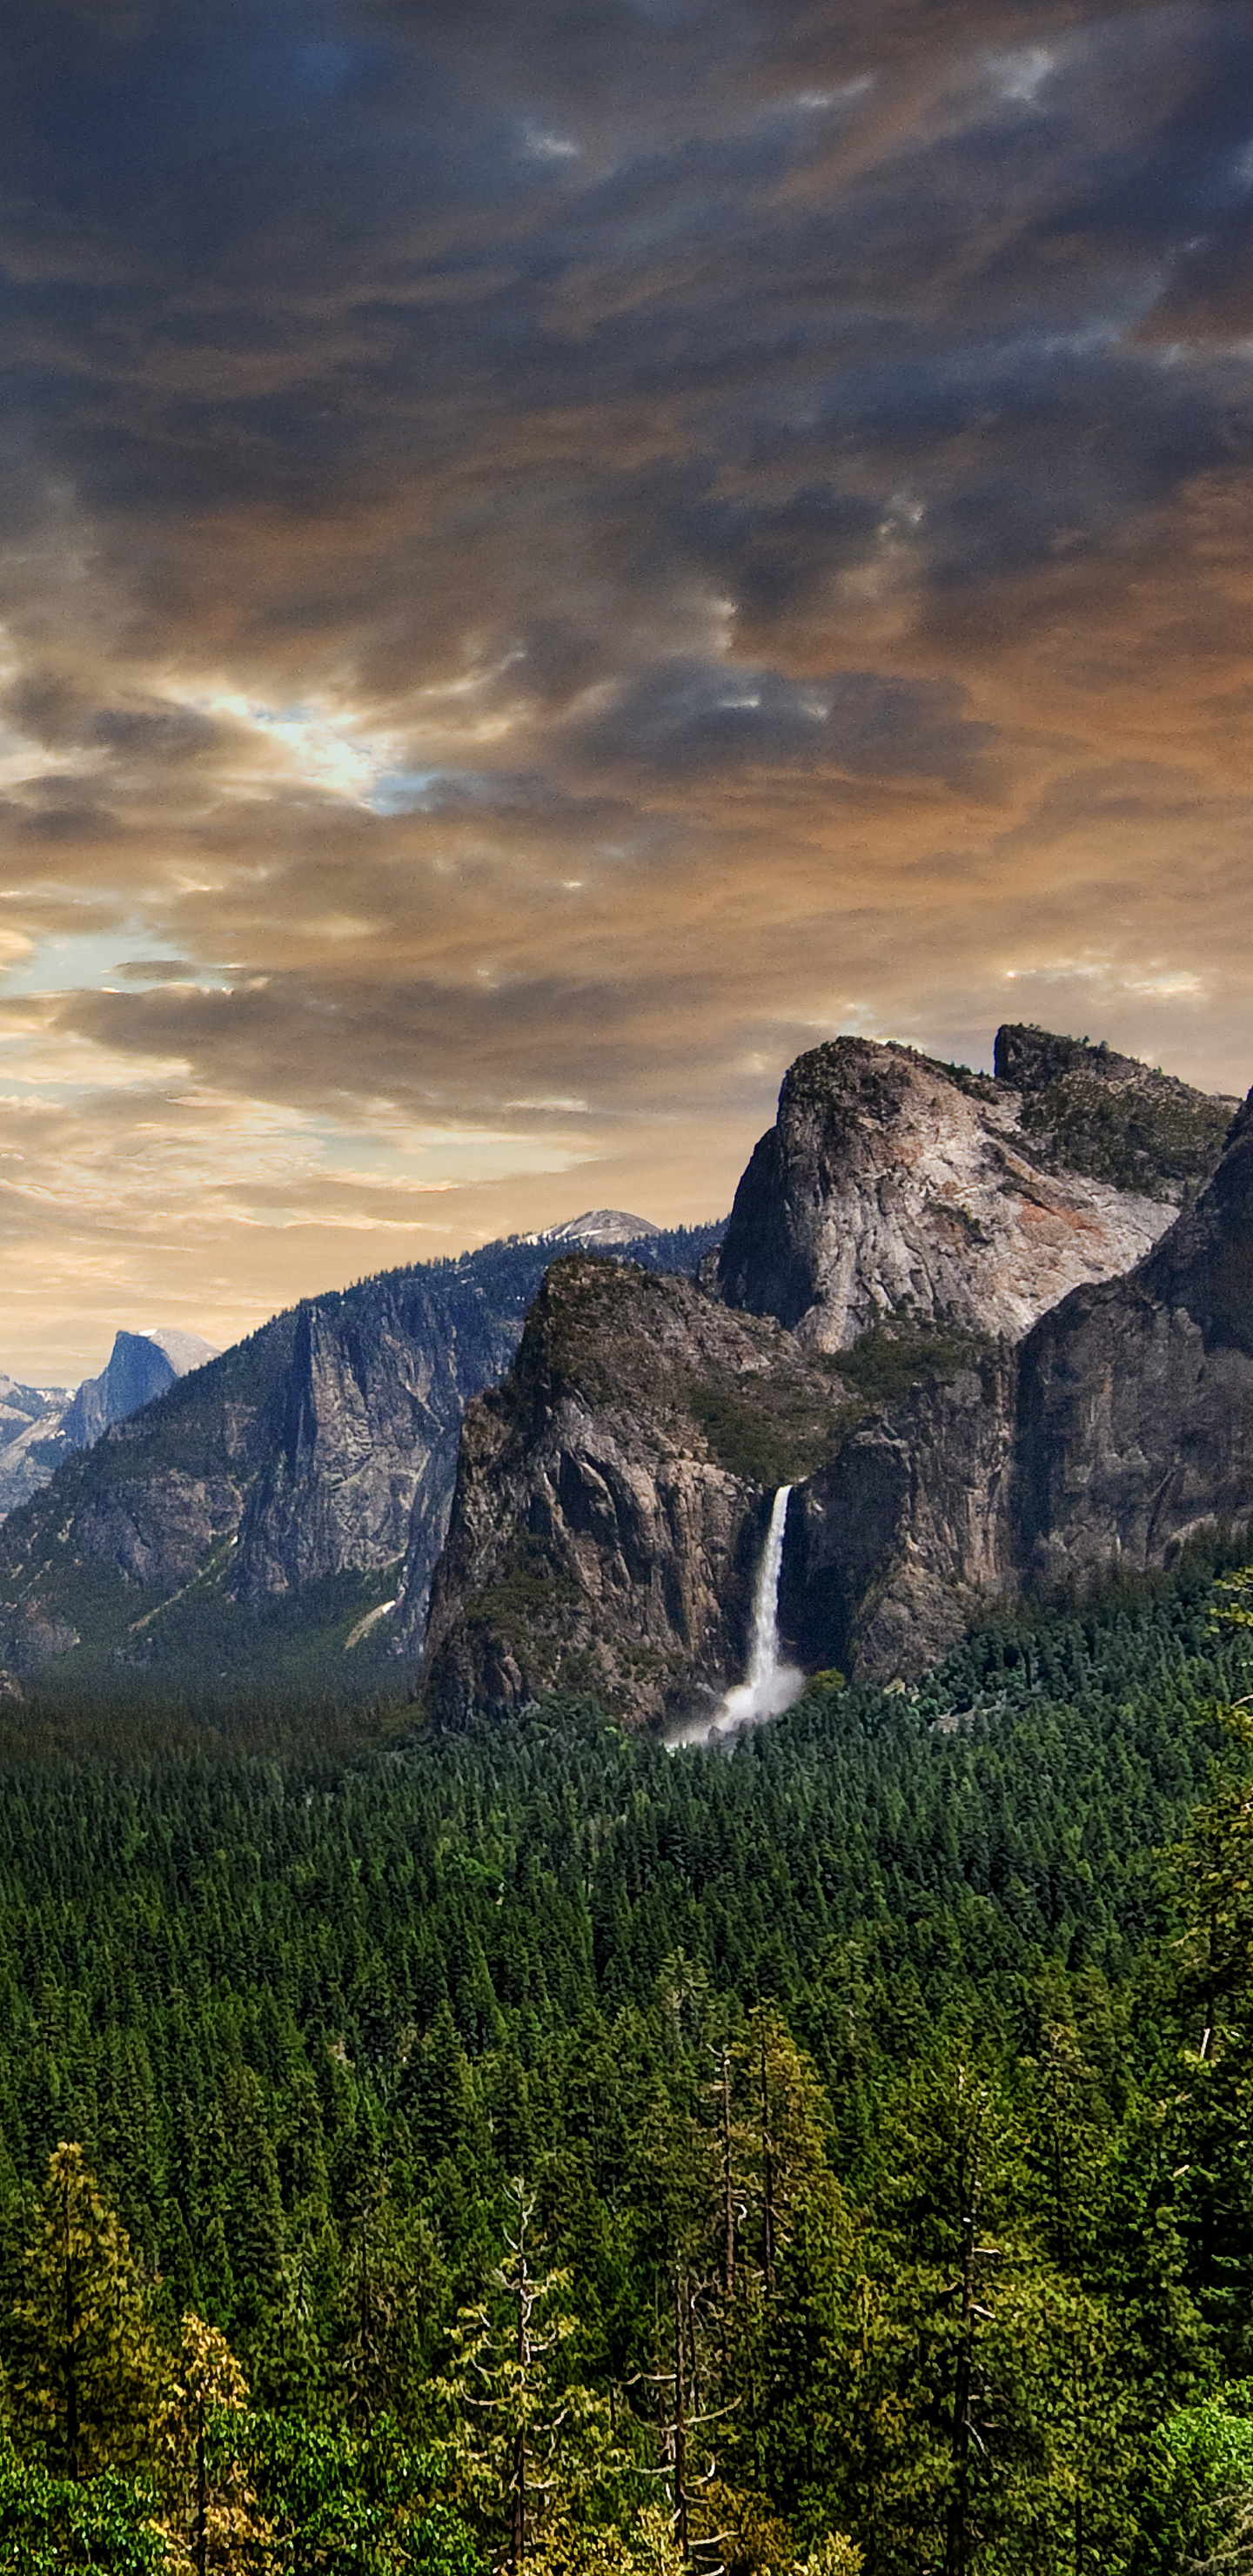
column 1111, row 1117
column 529, row 1593
column 770, row 1432
column 351, row 2504
column 1199, row 2503
column 83, row 2366
column 534, row 2448
column 50, row 2526
column 886, row 1363
column 889, row 2199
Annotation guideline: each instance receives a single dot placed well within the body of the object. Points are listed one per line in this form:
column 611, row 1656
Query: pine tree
column 85, row 2371
column 212, row 2512
column 534, row 2448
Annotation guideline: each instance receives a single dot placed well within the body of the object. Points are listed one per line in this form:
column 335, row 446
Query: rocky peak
column 141, row 1366
column 610, row 1496
column 599, row 1226
column 1106, row 1115
column 895, row 1242
column 894, row 1191
column 1135, row 1399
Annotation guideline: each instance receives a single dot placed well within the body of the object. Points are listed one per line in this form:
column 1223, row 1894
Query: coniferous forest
column 530, row 2148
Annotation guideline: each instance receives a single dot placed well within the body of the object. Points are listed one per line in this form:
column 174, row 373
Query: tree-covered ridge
column 1091, row 1110
column 851, row 2128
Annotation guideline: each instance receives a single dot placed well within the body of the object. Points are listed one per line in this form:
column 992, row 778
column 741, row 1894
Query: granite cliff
column 283, row 1498
column 1134, row 1419
column 906, row 1240
column 32, row 1438
column 141, row 1366
column 995, row 1330
column 41, row 1425
column 609, row 1504
column 892, row 1187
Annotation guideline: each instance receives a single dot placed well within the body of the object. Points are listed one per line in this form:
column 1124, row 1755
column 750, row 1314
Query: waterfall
column 771, row 1685
column 764, row 1669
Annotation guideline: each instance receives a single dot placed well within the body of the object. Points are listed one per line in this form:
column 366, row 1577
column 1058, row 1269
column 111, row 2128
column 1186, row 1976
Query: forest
column 532, row 2149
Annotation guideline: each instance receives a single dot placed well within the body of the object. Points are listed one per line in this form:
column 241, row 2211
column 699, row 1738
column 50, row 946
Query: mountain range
column 289, row 1495
column 986, row 1327
column 40, row 1425
column 996, row 1331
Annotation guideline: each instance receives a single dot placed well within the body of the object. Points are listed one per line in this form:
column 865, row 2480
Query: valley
column 624, row 1931
column 488, row 1511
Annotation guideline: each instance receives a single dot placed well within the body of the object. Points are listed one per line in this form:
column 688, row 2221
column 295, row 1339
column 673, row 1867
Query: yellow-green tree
column 212, row 2513
column 85, row 2371
column 533, row 2448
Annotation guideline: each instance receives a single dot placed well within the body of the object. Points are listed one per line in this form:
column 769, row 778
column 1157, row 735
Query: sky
column 555, row 553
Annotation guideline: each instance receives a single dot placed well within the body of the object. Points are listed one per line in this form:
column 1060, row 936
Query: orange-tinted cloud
column 549, row 559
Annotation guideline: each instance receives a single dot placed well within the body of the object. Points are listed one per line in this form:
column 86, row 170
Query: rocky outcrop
column 360, row 1470
column 308, row 1472
column 600, row 1228
column 41, row 1425
column 141, row 1367
column 948, row 1311
column 898, row 1545
column 896, row 1236
column 1089, row 1110
column 32, row 1439
column 1118, row 1429
column 157, row 1532
column 894, row 1189
column 609, row 1506
column 1135, row 1400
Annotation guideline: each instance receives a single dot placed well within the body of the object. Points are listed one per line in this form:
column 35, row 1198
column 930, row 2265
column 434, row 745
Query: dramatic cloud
column 552, row 556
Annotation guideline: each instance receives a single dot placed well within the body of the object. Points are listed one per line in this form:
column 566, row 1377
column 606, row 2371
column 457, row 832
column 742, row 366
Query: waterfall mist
column 771, row 1686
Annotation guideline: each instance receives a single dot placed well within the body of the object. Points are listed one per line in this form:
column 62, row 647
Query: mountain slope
column 898, row 1231
column 607, row 1518
column 141, row 1366
column 261, row 1510
column 1135, row 1406
column 40, row 1426
column 1121, row 1427
column 32, row 1438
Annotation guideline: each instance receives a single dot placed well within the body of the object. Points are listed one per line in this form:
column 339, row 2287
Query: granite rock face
column 610, row 1499
column 1089, row 1110
column 1121, row 1426
column 896, row 1238
column 319, row 1453
column 893, row 1188
column 360, row 1470
column 32, row 1438
column 141, row 1366
column 995, row 1332
column 41, row 1426
column 1135, row 1400
column 897, row 1545
column 599, row 1228
column 304, row 1454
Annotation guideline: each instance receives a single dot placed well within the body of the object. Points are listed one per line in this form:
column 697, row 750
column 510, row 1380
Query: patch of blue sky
column 92, row 960
column 403, row 791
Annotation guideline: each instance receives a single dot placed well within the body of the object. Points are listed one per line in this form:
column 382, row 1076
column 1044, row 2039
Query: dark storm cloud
column 691, row 716
column 371, row 259
column 323, row 239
